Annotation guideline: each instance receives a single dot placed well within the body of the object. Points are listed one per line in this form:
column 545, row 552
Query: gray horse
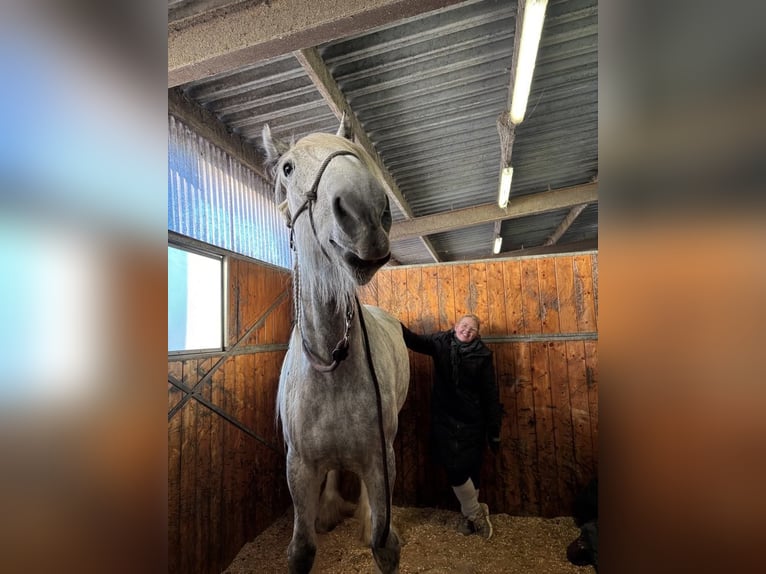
column 346, row 372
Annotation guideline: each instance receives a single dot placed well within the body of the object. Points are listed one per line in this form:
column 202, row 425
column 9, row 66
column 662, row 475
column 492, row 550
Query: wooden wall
column 226, row 465
column 226, row 478
column 540, row 319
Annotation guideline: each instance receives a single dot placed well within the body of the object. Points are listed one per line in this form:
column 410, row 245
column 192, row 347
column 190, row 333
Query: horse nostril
column 338, row 209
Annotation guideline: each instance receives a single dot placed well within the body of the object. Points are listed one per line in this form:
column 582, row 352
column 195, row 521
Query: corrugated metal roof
column 428, row 91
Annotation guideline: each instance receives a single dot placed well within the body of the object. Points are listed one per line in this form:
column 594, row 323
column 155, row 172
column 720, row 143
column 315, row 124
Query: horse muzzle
column 364, row 269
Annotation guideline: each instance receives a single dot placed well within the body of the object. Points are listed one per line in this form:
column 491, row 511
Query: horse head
column 333, row 196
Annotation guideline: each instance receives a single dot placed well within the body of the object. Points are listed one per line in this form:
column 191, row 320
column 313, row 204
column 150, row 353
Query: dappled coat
column 465, row 405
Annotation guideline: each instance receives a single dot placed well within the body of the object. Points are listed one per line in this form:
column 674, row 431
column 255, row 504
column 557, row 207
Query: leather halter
column 340, row 351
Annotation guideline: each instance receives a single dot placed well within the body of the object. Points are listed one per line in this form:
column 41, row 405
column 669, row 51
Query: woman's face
column 466, row 330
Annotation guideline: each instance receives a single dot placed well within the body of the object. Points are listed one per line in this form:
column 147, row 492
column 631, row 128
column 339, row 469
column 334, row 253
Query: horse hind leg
column 364, row 515
column 304, row 483
column 332, row 507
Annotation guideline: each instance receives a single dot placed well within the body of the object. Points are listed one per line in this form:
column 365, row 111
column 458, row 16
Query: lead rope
column 379, row 402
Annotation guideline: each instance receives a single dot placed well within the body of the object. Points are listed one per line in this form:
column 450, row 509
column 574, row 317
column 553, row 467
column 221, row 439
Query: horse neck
column 321, row 310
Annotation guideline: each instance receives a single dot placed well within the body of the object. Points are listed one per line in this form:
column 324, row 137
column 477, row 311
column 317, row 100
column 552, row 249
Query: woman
column 465, row 411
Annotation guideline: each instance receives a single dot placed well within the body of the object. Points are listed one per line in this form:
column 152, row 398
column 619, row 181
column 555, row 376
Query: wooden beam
column 247, row 32
column 317, row 70
column 431, row 250
column 565, row 224
column 207, row 125
column 575, row 247
column 522, row 206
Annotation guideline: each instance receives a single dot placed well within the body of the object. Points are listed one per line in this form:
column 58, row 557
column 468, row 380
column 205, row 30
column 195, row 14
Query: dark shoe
column 579, row 553
column 465, row 526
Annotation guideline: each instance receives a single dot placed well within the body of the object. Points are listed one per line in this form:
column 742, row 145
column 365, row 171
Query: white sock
column 469, row 498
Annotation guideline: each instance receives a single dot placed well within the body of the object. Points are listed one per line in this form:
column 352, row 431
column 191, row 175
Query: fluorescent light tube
column 497, row 245
column 531, row 30
column 504, row 192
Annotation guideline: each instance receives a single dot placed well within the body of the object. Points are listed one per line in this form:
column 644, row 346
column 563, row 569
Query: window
column 195, row 301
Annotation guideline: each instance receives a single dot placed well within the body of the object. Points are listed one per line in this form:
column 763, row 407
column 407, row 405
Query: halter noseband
column 311, row 197
column 340, row 351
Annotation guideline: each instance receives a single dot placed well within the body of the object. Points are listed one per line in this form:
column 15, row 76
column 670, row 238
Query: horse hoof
column 301, row 560
column 387, row 558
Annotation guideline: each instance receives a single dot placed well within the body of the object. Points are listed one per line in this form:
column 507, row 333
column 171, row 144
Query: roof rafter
column 521, row 206
column 565, row 224
column 247, row 32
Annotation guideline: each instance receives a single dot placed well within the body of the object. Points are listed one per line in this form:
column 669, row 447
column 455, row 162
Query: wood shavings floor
column 430, row 544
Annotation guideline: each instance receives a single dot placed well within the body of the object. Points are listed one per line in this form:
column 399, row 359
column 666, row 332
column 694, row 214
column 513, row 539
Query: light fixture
column 531, row 29
column 504, row 192
column 498, row 244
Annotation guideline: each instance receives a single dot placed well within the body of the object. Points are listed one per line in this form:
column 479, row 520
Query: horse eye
column 287, row 168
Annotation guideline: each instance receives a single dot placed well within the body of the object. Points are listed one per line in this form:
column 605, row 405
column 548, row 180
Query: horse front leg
column 385, row 549
column 304, row 482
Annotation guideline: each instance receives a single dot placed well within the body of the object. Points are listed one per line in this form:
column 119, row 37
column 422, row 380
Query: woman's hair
column 474, row 317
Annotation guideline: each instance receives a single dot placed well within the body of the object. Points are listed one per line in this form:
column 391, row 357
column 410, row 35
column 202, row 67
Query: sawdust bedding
column 430, row 544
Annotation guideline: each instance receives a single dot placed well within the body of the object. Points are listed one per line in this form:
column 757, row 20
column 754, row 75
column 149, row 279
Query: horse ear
column 273, row 148
column 344, row 130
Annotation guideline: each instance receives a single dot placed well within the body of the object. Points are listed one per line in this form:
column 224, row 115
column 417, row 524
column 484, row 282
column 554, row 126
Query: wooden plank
column 283, row 317
column 188, row 415
column 591, row 378
column 513, row 294
column 545, row 430
column 239, row 517
column 232, row 326
column 431, row 323
column 175, row 431
column 201, row 516
column 398, row 294
column 509, row 464
column 446, row 292
column 429, row 298
column 477, row 289
column 578, row 397
column 549, row 298
column 506, row 465
column 564, row 431
column 256, row 409
column 565, row 286
column 495, row 321
column 213, row 529
column 255, row 290
column 529, row 486
column 414, row 405
column 530, row 292
column 175, row 368
column 383, row 283
column 464, row 295
column 225, row 376
column 398, row 309
column 584, row 301
column 594, row 267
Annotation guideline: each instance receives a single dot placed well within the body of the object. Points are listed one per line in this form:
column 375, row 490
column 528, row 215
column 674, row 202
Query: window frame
column 198, row 248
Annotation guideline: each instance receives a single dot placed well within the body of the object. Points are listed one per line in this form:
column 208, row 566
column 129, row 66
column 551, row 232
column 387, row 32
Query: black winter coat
column 465, row 406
